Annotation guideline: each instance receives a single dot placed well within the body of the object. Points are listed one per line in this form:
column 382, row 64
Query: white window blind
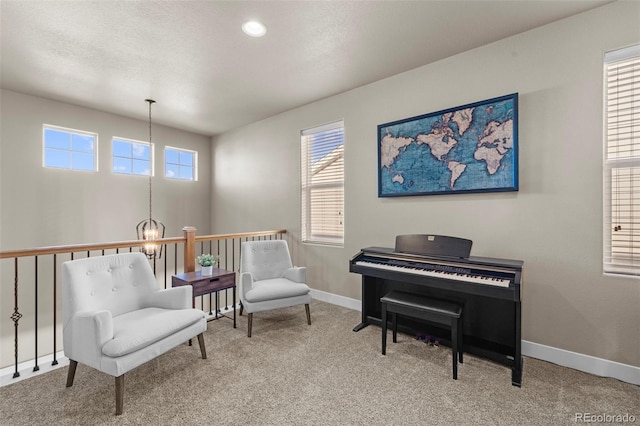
column 322, row 184
column 622, row 162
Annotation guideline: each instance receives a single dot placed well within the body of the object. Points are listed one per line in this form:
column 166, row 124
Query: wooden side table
column 221, row 279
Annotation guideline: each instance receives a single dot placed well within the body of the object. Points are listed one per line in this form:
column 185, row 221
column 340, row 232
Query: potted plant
column 207, row 262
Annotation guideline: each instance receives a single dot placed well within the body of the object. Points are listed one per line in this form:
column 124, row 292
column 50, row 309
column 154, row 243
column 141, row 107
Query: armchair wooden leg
column 250, row 323
column 203, row 351
column 72, row 372
column 241, row 308
column 119, row 394
column 306, row 308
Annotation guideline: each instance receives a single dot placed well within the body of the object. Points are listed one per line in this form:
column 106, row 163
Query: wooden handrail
column 240, row 235
column 39, row 251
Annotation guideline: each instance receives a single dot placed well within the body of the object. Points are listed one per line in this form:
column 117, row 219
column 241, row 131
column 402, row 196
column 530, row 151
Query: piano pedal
column 428, row 340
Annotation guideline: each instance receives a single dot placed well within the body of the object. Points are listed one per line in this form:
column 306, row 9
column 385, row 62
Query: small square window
column 132, row 157
column 180, row 164
column 69, row 149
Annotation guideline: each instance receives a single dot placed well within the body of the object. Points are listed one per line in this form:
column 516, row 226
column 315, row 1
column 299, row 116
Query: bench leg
column 460, row 343
column 384, row 329
column 394, row 320
column 454, row 346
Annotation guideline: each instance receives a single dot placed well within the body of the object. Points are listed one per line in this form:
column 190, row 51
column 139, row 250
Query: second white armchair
column 268, row 279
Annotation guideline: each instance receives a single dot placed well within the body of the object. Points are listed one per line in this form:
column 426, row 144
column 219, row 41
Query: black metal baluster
column 165, row 265
column 226, row 258
column 35, row 358
column 15, row 317
column 175, row 258
column 55, row 311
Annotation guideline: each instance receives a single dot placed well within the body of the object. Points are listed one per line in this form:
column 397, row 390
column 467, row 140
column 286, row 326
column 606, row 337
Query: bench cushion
column 138, row 329
column 422, row 303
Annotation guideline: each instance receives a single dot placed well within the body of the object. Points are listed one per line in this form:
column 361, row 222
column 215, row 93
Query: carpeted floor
column 290, row 373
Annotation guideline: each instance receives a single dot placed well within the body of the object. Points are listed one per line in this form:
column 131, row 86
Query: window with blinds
column 322, row 184
column 622, row 162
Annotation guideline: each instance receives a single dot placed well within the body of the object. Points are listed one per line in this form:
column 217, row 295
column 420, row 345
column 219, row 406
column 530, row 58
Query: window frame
column 70, row 150
column 310, row 230
column 132, row 158
column 194, row 166
column 621, row 170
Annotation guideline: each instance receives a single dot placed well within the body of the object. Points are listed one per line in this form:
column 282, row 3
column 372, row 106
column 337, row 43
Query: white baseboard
column 345, row 302
column 587, row 363
column 577, row 361
column 25, row 369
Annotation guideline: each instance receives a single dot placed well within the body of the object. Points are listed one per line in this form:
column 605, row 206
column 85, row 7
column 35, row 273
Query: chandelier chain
column 150, row 101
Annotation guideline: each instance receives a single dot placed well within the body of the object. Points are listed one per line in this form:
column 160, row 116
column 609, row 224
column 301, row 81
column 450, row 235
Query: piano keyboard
column 477, row 279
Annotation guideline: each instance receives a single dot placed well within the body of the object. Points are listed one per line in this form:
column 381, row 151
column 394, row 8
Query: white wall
column 42, row 206
column 554, row 222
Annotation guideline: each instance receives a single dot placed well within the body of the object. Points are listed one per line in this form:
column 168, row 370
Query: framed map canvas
column 470, row 148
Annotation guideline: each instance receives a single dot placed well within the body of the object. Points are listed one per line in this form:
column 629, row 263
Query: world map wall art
column 470, row 148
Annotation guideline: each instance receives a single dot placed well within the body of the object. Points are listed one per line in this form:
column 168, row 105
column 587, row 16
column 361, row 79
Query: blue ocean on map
column 416, row 170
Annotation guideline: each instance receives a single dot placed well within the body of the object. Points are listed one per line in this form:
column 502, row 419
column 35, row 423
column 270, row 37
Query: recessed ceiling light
column 254, row 29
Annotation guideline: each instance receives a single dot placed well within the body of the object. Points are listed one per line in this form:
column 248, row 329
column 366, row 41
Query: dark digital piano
column 441, row 267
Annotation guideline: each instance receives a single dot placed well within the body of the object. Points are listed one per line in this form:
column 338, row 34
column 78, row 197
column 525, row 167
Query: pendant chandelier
column 149, row 229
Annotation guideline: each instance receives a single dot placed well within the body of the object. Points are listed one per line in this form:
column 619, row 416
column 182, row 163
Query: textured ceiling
column 207, row 76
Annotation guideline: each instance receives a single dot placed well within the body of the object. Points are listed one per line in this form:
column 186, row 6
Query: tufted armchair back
column 265, row 259
column 117, row 283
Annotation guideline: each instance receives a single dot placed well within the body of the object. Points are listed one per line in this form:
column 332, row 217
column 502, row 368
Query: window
column 180, row 164
column 622, row 162
column 132, row 157
column 322, row 184
column 69, row 149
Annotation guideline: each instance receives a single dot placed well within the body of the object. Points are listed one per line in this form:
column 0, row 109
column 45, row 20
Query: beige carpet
column 290, row 373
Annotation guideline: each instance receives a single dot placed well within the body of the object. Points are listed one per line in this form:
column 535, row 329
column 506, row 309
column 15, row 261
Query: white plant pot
column 206, row 270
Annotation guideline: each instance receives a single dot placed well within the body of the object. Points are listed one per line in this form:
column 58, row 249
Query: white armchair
column 268, row 279
column 115, row 318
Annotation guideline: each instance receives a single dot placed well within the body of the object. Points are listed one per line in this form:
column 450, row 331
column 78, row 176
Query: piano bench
column 424, row 308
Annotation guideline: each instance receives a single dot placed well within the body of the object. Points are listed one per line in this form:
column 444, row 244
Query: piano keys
column 441, row 267
column 430, row 271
